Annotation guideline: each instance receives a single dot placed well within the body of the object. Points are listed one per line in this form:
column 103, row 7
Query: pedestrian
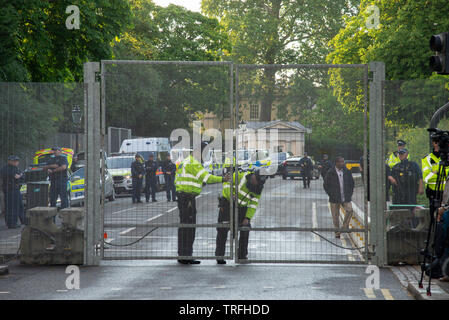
column 57, row 171
column 189, row 180
column 250, row 186
column 406, row 179
column 169, row 169
column 137, row 172
column 324, row 165
column 306, row 170
column 339, row 186
column 151, row 167
column 394, row 157
column 14, row 209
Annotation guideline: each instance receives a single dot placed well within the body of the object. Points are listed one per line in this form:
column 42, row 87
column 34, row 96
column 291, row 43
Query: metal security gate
column 168, row 104
column 278, row 111
column 285, row 112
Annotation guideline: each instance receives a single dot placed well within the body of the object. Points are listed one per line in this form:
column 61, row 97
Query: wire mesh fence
column 172, row 107
column 306, row 125
column 34, row 118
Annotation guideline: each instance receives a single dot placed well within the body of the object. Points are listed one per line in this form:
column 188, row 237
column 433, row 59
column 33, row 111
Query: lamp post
column 77, row 115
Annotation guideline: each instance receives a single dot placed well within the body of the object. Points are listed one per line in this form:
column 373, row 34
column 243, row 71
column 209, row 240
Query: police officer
column 306, row 170
column 150, row 178
column 11, row 176
column 57, row 171
column 169, row 169
column 189, row 180
column 137, row 172
column 325, row 165
column 406, row 179
column 394, row 157
column 250, row 186
column 430, row 171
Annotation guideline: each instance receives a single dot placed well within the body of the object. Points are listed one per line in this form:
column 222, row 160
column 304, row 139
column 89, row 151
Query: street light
column 77, row 115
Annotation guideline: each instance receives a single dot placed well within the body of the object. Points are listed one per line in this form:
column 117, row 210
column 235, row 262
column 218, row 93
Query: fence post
column 92, row 118
column 377, row 164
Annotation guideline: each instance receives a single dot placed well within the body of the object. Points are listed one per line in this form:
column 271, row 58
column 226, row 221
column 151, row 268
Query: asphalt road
column 284, row 204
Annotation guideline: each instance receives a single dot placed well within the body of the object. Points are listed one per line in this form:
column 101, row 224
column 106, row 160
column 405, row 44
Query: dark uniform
column 13, row 198
column 137, row 169
column 306, row 170
column 169, row 166
column 150, row 179
column 325, row 166
column 407, row 175
column 58, row 182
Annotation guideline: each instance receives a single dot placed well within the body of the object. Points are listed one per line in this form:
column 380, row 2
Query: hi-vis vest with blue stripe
column 430, row 164
column 191, row 175
column 246, row 198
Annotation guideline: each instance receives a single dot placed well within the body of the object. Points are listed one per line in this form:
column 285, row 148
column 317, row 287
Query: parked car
column 278, row 158
column 76, row 183
column 120, row 170
column 290, row 168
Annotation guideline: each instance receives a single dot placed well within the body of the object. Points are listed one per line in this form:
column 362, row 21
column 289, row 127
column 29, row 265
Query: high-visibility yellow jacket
column 430, row 165
column 191, row 175
column 394, row 159
column 228, row 162
column 246, row 198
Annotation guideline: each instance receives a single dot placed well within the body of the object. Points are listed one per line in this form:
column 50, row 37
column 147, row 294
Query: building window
column 254, row 112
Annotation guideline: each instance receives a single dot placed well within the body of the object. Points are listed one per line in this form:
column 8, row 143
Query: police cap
column 401, row 143
column 13, row 158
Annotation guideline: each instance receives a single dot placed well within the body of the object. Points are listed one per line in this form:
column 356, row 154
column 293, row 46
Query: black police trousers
column 187, row 214
column 222, row 233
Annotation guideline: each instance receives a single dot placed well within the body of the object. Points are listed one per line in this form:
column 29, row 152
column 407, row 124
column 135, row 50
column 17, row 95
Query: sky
column 192, row 5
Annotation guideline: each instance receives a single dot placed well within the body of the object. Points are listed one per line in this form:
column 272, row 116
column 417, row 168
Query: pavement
column 140, row 256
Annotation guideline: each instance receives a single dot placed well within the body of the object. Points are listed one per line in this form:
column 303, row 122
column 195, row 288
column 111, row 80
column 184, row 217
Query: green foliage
column 39, row 47
column 402, row 42
column 279, row 32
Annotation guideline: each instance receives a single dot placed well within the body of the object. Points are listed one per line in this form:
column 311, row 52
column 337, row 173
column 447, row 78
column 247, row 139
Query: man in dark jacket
column 169, row 169
column 137, row 172
column 306, row 170
column 13, row 198
column 339, row 186
column 150, row 178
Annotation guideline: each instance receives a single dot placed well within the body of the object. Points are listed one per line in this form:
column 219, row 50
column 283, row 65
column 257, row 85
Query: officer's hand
column 50, row 171
column 245, row 222
column 392, row 180
column 227, row 177
column 140, row 176
column 440, row 213
column 17, row 176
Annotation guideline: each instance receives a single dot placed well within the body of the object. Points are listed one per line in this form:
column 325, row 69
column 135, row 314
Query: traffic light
column 440, row 44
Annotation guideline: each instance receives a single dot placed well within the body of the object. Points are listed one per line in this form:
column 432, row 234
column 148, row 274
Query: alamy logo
column 73, row 280
column 373, row 280
column 373, row 21
column 73, row 21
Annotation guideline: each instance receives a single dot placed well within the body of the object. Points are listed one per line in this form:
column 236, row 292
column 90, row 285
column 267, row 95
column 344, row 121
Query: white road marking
column 159, row 215
column 109, row 240
column 165, row 288
column 172, row 209
column 220, row 287
column 5, row 292
column 128, row 230
column 62, row 290
column 314, row 222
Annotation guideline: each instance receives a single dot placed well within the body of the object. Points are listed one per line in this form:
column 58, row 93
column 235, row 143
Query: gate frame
column 103, row 75
column 95, row 128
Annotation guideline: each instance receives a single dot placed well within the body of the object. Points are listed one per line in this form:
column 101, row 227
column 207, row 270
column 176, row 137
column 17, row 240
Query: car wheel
column 292, row 178
column 112, row 197
column 284, row 177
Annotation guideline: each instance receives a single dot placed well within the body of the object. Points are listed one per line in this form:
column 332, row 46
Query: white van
column 158, row 147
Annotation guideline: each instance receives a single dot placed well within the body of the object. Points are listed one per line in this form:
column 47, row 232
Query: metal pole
column 92, row 152
column 377, row 164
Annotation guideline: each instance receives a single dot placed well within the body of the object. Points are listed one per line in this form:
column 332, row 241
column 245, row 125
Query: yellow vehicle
column 353, row 166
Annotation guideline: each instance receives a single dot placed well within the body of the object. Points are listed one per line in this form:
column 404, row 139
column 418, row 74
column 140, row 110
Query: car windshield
column 242, row 155
column 279, row 156
column 120, row 162
column 79, row 173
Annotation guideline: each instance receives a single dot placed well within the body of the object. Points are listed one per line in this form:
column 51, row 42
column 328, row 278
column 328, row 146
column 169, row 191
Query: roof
column 256, row 125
